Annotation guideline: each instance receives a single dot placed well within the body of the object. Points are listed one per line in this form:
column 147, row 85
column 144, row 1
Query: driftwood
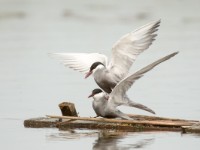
column 68, row 122
column 143, row 117
column 140, row 123
column 195, row 128
column 68, row 109
column 105, row 120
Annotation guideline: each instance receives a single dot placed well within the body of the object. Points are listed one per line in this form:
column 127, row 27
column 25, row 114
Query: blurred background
column 32, row 84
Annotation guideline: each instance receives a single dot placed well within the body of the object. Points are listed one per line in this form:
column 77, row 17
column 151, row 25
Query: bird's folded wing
column 79, row 61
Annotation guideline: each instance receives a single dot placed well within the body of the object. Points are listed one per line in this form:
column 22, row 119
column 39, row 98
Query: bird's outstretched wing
column 80, row 61
column 119, row 91
column 128, row 47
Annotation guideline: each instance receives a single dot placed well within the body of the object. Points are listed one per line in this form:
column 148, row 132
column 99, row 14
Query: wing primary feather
column 129, row 46
column 122, row 87
column 79, row 61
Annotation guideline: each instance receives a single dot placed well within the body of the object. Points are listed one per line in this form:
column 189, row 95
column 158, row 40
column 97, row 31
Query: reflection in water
column 109, row 140
column 142, row 143
column 196, row 135
column 106, row 140
column 70, row 134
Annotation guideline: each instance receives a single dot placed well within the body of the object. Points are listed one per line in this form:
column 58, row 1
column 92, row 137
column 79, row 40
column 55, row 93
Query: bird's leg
column 96, row 116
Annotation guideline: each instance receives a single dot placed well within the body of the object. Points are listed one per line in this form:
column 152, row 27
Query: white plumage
column 106, row 105
column 124, row 53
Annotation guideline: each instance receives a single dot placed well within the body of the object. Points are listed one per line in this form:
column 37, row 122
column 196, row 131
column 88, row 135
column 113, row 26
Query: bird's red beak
column 91, row 95
column 88, row 74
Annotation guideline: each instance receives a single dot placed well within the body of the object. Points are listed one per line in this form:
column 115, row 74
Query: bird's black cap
column 94, row 65
column 94, row 92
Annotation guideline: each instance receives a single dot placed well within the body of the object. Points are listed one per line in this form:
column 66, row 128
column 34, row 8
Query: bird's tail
column 130, row 103
column 140, row 106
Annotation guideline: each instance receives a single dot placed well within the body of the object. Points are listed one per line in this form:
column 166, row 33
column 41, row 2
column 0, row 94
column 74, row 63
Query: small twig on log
column 157, row 123
column 159, row 118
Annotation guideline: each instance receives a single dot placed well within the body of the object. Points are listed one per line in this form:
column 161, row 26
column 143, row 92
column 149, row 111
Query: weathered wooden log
column 41, row 122
column 152, row 122
column 144, row 117
column 82, row 124
column 195, row 128
column 69, row 120
column 68, row 109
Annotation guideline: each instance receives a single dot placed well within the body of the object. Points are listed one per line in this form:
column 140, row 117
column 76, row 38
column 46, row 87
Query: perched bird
column 105, row 105
column 124, row 53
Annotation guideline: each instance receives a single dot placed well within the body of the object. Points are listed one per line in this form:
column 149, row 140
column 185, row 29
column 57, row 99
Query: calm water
column 32, row 84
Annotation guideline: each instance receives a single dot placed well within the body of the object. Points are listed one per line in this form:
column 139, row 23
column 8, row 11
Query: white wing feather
column 128, row 47
column 116, row 96
column 80, row 61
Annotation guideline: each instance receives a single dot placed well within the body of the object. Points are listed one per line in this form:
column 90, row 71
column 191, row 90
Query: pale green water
column 32, row 84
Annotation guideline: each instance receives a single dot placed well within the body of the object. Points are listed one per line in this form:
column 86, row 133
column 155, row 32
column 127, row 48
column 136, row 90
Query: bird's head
column 95, row 66
column 95, row 92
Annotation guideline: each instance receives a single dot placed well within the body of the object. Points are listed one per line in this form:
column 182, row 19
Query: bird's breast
column 104, row 80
